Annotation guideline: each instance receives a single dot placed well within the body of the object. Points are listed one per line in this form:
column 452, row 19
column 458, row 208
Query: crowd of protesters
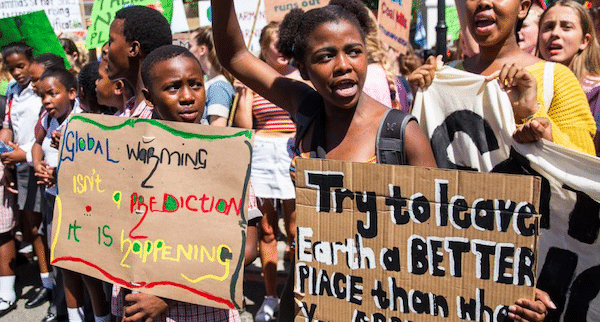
column 328, row 63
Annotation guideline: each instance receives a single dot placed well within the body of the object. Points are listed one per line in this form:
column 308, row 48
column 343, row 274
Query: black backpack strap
column 390, row 137
column 307, row 112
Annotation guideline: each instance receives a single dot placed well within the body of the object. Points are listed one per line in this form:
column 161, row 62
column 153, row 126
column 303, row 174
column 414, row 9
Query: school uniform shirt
column 50, row 153
column 142, row 111
column 23, row 112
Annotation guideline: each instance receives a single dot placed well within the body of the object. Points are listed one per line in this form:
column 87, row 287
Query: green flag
column 103, row 13
column 35, row 30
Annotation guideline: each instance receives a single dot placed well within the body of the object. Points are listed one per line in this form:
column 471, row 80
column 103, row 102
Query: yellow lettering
column 203, row 251
column 187, row 254
column 123, row 241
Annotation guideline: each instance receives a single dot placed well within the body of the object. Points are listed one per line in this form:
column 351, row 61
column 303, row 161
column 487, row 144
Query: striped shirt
column 142, row 111
column 270, row 117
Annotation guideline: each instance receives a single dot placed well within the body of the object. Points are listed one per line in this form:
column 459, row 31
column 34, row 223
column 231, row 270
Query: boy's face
column 118, row 50
column 177, row 90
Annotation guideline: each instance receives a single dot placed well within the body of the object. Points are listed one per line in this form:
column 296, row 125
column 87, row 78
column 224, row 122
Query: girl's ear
column 72, row 93
column 524, row 8
column 585, row 41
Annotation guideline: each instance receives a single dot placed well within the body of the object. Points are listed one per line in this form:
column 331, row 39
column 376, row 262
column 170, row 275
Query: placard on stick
column 394, row 22
column 391, row 243
column 35, row 30
column 277, row 9
column 157, row 207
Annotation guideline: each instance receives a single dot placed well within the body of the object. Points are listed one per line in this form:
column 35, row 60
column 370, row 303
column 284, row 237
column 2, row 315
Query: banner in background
column 153, row 206
column 64, row 15
column 35, row 30
column 247, row 13
column 277, row 9
column 103, row 13
column 394, row 23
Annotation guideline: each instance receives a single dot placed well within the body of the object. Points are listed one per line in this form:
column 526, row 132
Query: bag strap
column 307, row 112
column 548, row 86
column 389, row 147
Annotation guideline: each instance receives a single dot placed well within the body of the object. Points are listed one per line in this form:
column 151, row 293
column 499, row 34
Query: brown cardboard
column 338, row 224
column 192, row 246
column 394, row 23
column 277, row 9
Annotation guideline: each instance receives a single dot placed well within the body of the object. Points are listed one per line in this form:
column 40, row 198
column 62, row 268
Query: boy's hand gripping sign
column 156, row 207
column 396, row 243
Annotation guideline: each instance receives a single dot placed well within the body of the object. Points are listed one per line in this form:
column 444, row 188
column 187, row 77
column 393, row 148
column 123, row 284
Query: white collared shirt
column 22, row 115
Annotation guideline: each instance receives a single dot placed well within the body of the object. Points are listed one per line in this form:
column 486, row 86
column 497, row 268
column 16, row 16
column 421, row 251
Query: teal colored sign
column 35, row 30
column 103, row 13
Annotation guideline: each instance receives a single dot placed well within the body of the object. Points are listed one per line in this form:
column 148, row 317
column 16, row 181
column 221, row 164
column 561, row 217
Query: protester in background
column 73, row 54
column 407, row 63
column 113, row 94
column 8, row 255
column 380, row 81
column 219, row 88
column 135, row 32
column 528, row 34
column 271, row 159
column 18, row 132
column 41, row 63
column 567, row 36
column 565, row 119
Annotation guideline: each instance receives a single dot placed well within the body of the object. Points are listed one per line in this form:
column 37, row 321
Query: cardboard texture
column 156, row 207
column 456, row 245
column 64, row 15
column 277, row 9
column 394, row 23
column 35, row 30
column 103, row 13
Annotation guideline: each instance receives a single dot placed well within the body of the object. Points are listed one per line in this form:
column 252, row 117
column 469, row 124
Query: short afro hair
column 20, row 48
column 162, row 54
column 297, row 24
column 50, row 61
column 65, row 77
column 146, row 26
column 87, row 79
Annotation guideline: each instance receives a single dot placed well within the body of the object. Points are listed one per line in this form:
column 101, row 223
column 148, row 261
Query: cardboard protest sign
column 470, row 123
column 251, row 17
column 156, row 207
column 394, row 23
column 34, row 29
column 397, row 243
column 103, row 13
column 277, row 9
column 64, row 15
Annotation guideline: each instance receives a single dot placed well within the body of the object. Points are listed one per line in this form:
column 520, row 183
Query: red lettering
column 187, row 203
column 151, row 203
column 133, row 202
column 401, row 19
column 166, row 197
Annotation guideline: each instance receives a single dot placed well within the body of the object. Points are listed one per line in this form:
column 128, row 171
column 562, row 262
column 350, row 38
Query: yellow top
column 572, row 123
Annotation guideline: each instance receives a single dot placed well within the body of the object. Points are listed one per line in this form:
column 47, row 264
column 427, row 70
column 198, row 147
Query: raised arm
column 256, row 74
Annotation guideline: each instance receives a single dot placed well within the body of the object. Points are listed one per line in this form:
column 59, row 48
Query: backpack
column 389, row 144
